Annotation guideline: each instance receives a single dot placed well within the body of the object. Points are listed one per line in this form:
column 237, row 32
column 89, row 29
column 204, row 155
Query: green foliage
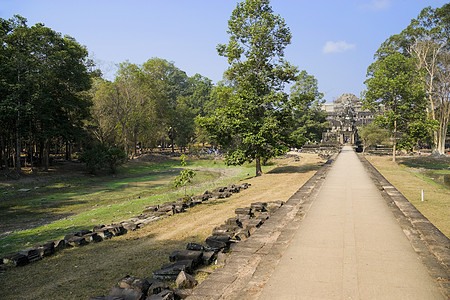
column 185, row 176
column 395, row 85
column 310, row 120
column 44, row 79
column 99, row 157
column 426, row 39
column 372, row 135
column 147, row 102
column 254, row 113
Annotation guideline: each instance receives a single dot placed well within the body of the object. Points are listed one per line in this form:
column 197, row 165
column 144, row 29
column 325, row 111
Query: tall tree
column 166, row 83
column 45, row 76
column 395, row 83
column 427, row 39
column 310, row 120
column 253, row 123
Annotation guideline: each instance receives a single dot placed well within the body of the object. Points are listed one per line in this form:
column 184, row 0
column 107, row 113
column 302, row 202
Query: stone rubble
column 101, row 232
column 184, row 263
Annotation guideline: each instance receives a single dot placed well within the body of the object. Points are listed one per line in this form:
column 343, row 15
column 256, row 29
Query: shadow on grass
column 294, row 169
column 96, row 267
column 426, row 162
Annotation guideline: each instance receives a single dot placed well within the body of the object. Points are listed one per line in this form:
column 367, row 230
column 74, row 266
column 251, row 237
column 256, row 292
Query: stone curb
column 253, row 261
column 432, row 246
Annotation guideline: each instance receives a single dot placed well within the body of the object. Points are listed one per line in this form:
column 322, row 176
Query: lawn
column 63, row 202
column 411, row 175
column 79, row 273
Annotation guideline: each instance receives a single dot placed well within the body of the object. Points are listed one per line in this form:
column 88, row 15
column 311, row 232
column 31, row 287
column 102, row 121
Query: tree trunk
column 441, row 140
column 3, row 157
column 394, row 148
column 173, row 147
column 18, row 149
column 68, row 151
column 30, row 155
column 258, row 166
column 46, row 155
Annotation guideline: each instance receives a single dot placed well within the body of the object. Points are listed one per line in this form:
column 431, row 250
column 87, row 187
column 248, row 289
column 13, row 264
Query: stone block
column 171, row 271
column 234, row 188
column 97, row 227
column 130, row 226
column 59, row 245
column 243, row 211
column 220, row 189
column 242, row 217
column 116, row 229
column 197, row 198
column 156, row 286
column 151, row 208
column 218, row 242
column 244, row 185
column 208, row 257
column 217, row 231
column 105, row 233
column 233, row 221
column 185, row 281
column 179, row 208
column 242, row 234
column 194, row 246
column 76, row 233
column 247, row 224
column 16, row 259
column 195, row 256
column 197, row 202
column 258, row 206
column 77, row 241
column 32, row 254
column 126, row 294
column 135, row 283
column 92, row 237
column 262, row 215
column 46, row 249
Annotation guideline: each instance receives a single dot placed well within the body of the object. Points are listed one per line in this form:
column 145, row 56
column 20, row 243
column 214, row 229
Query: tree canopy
column 396, row 84
column 426, row 39
column 255, row 112
column 44, row 79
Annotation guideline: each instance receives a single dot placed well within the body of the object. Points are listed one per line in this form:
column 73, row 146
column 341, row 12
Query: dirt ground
column 79, row 273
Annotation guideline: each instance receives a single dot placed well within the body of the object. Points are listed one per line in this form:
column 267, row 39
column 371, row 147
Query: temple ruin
column 345, row 116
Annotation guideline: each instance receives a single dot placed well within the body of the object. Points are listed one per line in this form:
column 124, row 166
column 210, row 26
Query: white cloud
column 376, row 5
column 335, row 47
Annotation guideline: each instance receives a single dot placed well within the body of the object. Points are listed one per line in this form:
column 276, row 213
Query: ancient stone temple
column 345, row 116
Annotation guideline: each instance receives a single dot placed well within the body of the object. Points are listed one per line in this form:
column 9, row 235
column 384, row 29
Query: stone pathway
column 350, row 246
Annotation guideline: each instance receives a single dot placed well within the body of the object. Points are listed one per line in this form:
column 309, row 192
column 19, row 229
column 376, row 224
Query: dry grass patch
column 79, row 273
column 436, row 204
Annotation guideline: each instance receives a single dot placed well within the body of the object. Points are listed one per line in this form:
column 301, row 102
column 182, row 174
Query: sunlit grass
column 411, row 176
column 80, row 203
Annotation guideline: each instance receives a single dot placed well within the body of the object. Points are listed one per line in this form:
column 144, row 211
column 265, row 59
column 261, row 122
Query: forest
column 56, row 104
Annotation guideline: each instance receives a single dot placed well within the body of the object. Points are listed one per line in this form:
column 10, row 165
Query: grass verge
column 412, row 175
column 79, row 273
column 79, row 202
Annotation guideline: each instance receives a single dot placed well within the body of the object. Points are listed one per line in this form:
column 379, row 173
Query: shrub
column 99, row 156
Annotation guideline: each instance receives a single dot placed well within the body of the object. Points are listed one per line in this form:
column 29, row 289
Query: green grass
column 412, row 175
column 69, row 204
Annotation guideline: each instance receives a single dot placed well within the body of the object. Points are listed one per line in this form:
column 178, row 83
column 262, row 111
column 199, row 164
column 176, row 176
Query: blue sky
column 334, row 40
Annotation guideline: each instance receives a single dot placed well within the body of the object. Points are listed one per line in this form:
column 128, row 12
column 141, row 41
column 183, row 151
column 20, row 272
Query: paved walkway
column 349, row 246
